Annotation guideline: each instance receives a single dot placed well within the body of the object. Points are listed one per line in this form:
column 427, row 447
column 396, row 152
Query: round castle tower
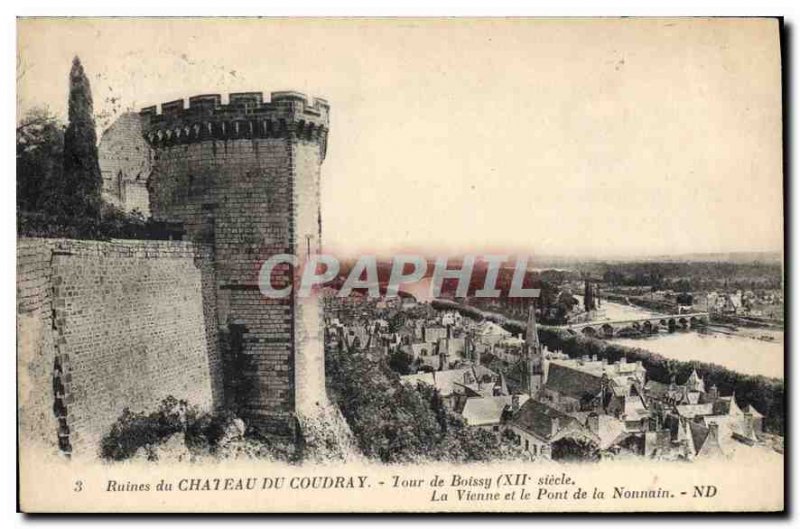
column 245, row 179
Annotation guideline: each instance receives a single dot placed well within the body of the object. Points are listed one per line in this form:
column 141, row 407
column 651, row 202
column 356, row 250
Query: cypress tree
column 82, row 183
column 588, row 296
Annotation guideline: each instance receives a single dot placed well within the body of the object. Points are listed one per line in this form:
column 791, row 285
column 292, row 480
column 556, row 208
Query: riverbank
column 747, row 350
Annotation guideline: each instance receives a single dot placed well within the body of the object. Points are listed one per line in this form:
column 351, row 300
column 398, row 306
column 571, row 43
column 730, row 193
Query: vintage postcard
column 400, row 265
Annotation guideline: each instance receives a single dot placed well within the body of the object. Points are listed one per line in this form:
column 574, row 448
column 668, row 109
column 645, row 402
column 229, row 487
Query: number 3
column 78, row 486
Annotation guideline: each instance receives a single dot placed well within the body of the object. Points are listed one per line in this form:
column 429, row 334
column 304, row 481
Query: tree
column 40, row 152
column 588, row 297
column 81, row 185
column 574, row 449
column 402, row 362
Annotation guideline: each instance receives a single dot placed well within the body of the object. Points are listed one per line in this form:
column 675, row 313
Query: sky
column 586, row 138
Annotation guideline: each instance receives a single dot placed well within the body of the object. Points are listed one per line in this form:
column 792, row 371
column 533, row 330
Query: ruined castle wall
column 108, row 325
column 35, row 345
column 125, row 161
column 244, row 178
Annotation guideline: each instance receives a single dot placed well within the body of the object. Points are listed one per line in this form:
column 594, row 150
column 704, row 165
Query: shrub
column 203, row 434
column 135, row 430
column 114, row 224
column 402, row 362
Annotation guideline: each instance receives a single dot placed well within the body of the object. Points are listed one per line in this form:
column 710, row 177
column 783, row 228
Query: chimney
column 749, row 423
column 623, row 360
column 593, row 422
column 514, row 403
column 714, row 393
column 713, row 431
column 555, row 427
column 672, row 383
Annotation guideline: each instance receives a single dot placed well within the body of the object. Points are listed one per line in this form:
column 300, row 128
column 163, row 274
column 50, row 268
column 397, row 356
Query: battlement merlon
column 246, row 115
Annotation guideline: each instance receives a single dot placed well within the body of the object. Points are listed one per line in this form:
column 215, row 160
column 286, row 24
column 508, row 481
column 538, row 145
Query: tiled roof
column 608, row 430
column 491, row 328
column 454, row 380
column 707, row 445
column 693, row 410
column 750, row 409
column 537, row 418
column 726, row 406
column 694, row 382
column 656, row 389
column 572, row 382
column 481, row 411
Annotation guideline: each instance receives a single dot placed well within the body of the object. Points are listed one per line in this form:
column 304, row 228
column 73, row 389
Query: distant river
column 740, row 351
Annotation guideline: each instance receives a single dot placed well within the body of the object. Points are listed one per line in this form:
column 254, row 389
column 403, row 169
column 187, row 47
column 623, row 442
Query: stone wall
column 125, row 161
column 106, row 325
column 35, row 345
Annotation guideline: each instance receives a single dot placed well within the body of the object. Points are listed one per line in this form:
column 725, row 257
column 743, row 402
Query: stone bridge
column 645, row 324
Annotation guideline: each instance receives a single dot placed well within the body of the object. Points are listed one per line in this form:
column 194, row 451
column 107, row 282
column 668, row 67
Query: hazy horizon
column 603, row 139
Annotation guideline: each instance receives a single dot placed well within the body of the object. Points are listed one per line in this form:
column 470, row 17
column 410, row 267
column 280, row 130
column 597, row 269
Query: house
column 609, row 430
column 537, row 427
column 577, row 387
column 490, row 412
column 725, row 303
column 490, row 333
column 433, row 333
column 570, row 389
column 423, row 353
column 705, row 421
column 457, row 385
column 689, row 393
column 452, row 318
column 705, row 439
column 356, row 337
column 453, row 348
column 510, row 350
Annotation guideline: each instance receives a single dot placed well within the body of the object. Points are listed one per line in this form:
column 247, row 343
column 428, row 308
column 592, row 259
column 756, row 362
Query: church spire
column 534, row 369
column 531, row 332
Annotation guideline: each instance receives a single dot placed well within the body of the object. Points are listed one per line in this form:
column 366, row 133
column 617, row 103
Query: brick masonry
column 107, row 325
column 244, row 178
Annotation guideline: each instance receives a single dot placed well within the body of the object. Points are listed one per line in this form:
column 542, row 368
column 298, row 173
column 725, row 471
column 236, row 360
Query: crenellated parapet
column 245, row 116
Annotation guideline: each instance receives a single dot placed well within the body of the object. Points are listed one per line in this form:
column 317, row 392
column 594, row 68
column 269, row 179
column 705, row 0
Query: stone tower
column 244, row 178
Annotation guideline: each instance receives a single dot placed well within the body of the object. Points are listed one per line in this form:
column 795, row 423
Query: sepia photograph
column 406, row 265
